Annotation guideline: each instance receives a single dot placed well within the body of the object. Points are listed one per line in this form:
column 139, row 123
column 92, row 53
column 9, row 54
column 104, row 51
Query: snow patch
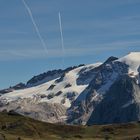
column 133, row 61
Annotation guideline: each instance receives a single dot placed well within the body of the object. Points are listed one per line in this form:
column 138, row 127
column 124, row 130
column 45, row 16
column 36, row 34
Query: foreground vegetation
column 16, row 127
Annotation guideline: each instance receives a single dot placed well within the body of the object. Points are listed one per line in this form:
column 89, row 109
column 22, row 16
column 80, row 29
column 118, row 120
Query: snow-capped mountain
column 98, row 93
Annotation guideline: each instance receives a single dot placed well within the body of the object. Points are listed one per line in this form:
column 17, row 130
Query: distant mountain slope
column 16, row 127
column 100, row 93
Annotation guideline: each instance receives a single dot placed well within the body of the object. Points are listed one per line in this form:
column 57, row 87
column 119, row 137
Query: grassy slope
column 14, row 126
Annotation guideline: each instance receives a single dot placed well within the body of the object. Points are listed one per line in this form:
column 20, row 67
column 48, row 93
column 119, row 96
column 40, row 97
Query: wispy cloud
column 19, row 54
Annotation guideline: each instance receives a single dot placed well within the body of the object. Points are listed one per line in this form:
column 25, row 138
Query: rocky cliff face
column 121, row 103
column 88, row 100
column 100, row 93
column 48, row 112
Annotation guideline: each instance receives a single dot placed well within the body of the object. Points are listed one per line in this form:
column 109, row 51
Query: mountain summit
column 101, row 93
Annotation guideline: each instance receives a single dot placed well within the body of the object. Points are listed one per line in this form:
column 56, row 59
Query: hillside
column 16, row 127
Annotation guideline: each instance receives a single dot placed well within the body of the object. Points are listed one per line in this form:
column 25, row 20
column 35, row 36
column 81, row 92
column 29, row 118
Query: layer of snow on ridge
column 26, row 93
column 70, row 78
column 133, row 61
column 37, row 91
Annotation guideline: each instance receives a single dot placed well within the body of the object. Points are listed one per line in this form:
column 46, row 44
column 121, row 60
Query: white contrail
column 35, row 26
column 61, row 32
column 62, row 38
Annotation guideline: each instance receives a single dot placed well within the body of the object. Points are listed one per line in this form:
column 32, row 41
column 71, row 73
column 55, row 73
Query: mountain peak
column 132, row 60
column 110, row 59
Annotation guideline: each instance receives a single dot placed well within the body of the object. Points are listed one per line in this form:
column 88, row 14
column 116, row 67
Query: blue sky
column 93, row 30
